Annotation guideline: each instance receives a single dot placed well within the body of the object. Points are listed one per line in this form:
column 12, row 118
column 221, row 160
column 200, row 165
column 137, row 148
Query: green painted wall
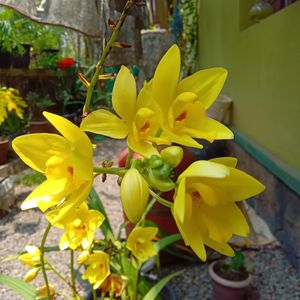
column 263, row 61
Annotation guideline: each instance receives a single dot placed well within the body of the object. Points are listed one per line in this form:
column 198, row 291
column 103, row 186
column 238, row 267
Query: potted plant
column 37, row 104
column 16, row 33
column 231, row 278
column 12, row 119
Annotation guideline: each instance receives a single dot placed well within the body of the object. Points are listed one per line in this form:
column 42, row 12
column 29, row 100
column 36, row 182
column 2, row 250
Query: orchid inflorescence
column 166, row 115
column 166, row 111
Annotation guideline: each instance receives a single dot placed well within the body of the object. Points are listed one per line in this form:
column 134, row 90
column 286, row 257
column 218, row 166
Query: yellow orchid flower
column 134, row 195
column 42, row 292
column 204, row 204
column 139, row 242
column 31, row 259
column 98, row 268
column 67, row 162
column 135, row 119
column 183, row 103
column 79, row 227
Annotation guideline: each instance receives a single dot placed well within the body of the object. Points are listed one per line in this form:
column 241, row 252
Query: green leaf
column 96, row 203
column 155, row 290
column 27, row 291
column 168, row 240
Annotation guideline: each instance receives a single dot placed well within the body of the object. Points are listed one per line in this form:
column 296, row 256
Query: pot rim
column 226, row 282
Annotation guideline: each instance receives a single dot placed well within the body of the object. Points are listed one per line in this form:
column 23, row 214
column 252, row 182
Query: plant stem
column 148, row 207
column 113, row 171
column 128, row 159
column 60, row 275
column 161, row 200
column 104, row 54
column 73, row 278
column 94, row 294
column 42, row 250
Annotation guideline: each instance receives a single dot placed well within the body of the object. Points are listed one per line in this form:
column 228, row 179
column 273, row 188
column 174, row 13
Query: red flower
column 66, row 63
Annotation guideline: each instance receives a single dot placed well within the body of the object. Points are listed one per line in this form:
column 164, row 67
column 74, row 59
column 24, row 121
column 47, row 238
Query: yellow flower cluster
column 10, row 101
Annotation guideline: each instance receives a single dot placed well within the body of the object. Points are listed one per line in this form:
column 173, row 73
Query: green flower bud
column 172, row 155
column 163, row 172
column 164, row 185
column 155, row 161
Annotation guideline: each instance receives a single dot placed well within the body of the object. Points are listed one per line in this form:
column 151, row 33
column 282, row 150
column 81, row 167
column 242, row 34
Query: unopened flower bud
column 31, row 274
column 172, row 155
column 134, row 195
column 163, row 172
column 164, row 185
column 83, row 257
column 155, row 161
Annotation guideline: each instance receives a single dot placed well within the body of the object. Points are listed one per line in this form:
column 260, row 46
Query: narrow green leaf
column 26, row 290
column 168, row 240
column 96, row 203
column 155, row 290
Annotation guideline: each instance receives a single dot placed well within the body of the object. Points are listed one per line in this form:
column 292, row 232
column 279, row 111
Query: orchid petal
column 35, row 149
column 207, row 84
column 47, row 194
column 104, row 122
column 166, row 78
column 237, row 186
column 227, row 161
column 141, row 147
column 124, row 95
column 203, row 168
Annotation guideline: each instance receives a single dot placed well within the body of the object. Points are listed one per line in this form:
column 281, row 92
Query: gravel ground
column 273, row 277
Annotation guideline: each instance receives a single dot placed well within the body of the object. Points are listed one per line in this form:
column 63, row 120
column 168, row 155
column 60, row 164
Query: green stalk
column 43, row 267
column 128, row 159
column 94, row 294
column 135, row 289
column 104, row 54
column 59, row 275
column 73, row 278
column 148, row 208
column 160, row 199
column 113, row 171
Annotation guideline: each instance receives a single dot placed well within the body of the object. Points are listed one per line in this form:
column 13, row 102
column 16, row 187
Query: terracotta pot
column 4, row 146
column 41, row 127
column 224, row 289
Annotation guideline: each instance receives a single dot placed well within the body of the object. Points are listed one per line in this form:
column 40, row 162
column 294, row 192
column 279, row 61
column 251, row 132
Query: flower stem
column 73, row 278
column 104, row 54
column 113, row 171
column 147, row 209
column 128, row 159
column 161, row 200
column 43, row 267
column 94, row 294
column 59, row 275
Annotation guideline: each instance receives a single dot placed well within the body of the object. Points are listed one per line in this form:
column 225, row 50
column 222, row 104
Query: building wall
column 263, row 61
